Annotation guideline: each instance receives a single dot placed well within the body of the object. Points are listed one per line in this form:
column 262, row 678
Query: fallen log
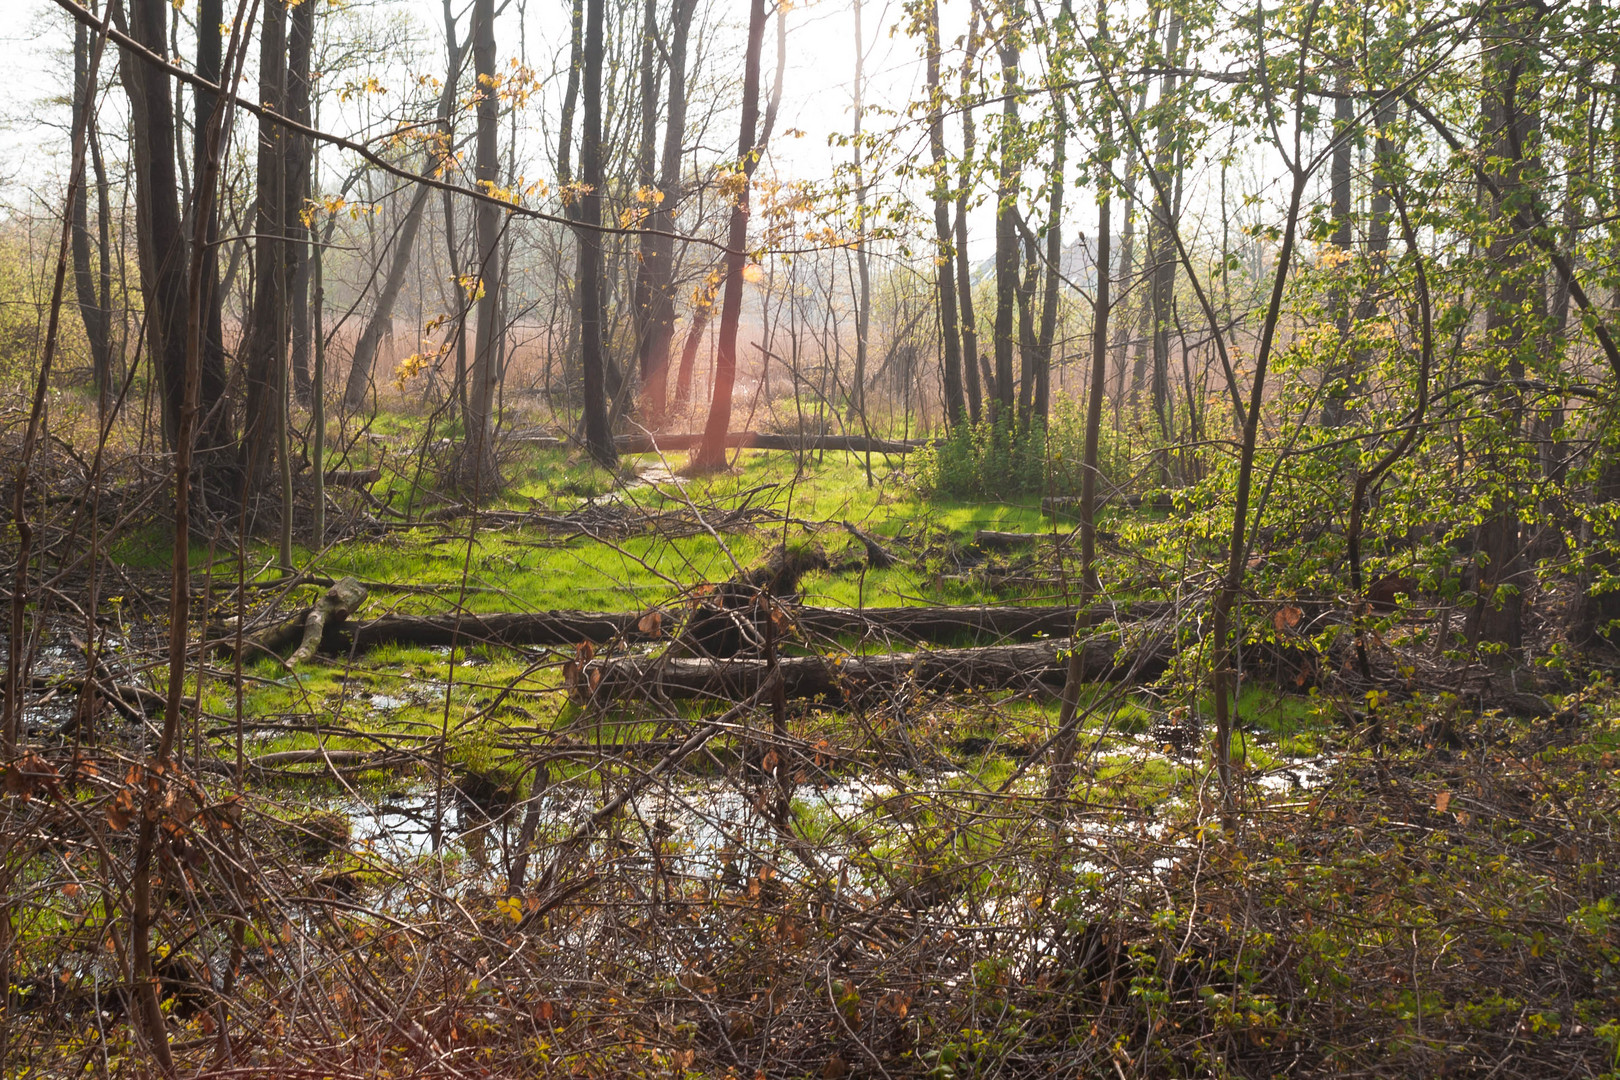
column 877, row 556
column 511, row 629
column 352, row 478
column 335, row 605
column 568, row 628
column 639, row 443
column 841, row 678
column 992, row 538
column 307, row 628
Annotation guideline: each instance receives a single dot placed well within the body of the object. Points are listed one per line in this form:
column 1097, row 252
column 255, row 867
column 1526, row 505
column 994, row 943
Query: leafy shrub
column 996, row 461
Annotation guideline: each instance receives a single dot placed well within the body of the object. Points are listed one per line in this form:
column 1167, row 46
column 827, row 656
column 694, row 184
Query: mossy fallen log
column 1105, row 657
column 568, row 628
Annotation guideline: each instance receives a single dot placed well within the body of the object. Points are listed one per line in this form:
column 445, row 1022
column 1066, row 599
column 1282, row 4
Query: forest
column 810, row 538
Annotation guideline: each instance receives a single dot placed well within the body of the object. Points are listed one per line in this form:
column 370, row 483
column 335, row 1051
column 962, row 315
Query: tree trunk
column 1023, row 667
column 1515, row 304
column 96, row 318
column 1161, row 248
column 712, row 454
column 646, row 162
column 1074, row 676
column 1054, row 267
column 1339, row 374
column 956, row 412
column 215, row 420
column 964, row 272
column 264, row 347
column 658, row 252
column 593, row 358
column 1007, row 191
column 701, row 314
column 382, row 314
column 296, row 187
column 161, row 242
column 863, row 266
column 477, row 472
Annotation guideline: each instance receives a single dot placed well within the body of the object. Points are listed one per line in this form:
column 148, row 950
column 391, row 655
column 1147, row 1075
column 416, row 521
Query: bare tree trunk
column 956, row 411
column 694, row 338
column 964, row 272
column 1510, row 126
column 477, row 471
column 96, row 318
column 215, row 420
column 161, row 242
column 1162, row 251
column 712, row 453
column 1338, row 375
column 863, row 262
column 264, row 351
column 300, row 43
column 382, row 313
column 1054, row 267
column 1074, row 675
column 593, row 357
column 646, row 162
column 1007, row 192
column 658, row 251
column 1028, row 346
column 1127, row 263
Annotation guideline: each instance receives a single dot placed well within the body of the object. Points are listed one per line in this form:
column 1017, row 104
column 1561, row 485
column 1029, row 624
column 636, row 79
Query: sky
column 817, row 97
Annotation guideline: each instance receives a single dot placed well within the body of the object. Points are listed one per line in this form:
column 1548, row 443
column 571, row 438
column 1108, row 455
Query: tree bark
column 1007, row 240
column 956, row 411
column 1054, row 267
column 296, row 190
column 944, row 625
column 1515, row 300
column 964, row 272
column 863, row 263
column 382, row 314
column 1161, row 251
column 478, row 472
column 593, row 356
column 264, row 348
column 711, row 455
column 161, row 243
column 216, row 423
column 1334, row 404
column 97, row 320
column 1069, row 711
column 1022, row 667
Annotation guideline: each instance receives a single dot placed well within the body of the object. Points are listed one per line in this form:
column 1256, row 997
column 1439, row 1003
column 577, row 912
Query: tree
column 92, row 309
column 593, row 356
column 159, row 238
column 863, row 259
column 1161, row 242
column 956, row 410
column 1515, row 301
column 657, row 245
column 964, row 273
column 264, row 349
column 1008, row 187
column 477, row 472
column 295, row 191
column 711, row 453
column 435, row 157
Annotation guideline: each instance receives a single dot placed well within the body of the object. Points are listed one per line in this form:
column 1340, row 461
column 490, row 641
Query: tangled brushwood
column 795, row 908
